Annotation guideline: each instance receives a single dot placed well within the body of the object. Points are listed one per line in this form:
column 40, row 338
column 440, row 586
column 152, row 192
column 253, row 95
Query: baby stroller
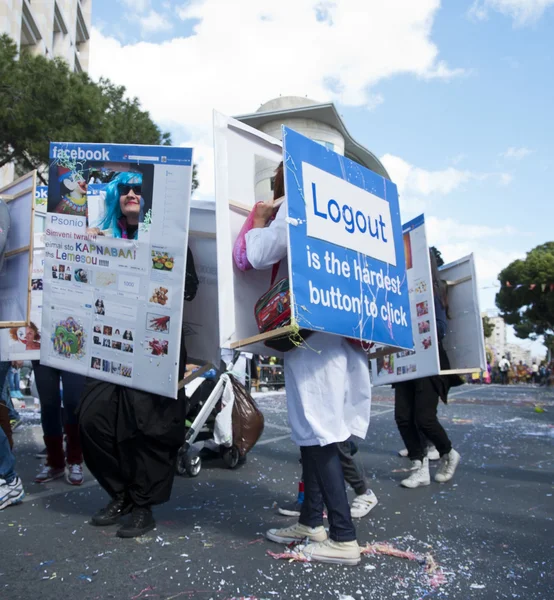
column 221, row 416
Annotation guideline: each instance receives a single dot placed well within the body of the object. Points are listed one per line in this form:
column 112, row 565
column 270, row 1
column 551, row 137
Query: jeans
column 324, row 484
column 415, row 412
column 5, row 394
column 47, row 380
column 14, row 380
column 352, row 467
column 7, row 459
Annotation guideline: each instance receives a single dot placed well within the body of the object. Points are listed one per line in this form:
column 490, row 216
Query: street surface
column 490, row 531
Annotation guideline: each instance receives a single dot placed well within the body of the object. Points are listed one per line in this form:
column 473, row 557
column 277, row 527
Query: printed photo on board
column 157, row 323
column 28, row 336
column 116, row 199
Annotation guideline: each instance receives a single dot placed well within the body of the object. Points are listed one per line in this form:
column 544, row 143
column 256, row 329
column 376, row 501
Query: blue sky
column 455, row 97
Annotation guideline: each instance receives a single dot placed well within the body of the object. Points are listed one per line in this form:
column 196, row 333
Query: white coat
column 327, row 379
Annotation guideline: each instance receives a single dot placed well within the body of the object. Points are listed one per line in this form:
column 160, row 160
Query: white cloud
column 523, row 12
column 154, row 22
column 516, row 153
column 450, row 231
column 235, row 60
column 373, row 101
column 455, row 239
column 506, row 178
column 416, row 186
column 138, row 6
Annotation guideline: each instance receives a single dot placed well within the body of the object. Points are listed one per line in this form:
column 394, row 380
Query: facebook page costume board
column 115, row 261
column 23, row 343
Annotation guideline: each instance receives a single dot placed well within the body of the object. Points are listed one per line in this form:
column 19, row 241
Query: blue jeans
column 7, row 459
column 48, row 387
column 14, row 380
column 324, row 484
column 5, row 394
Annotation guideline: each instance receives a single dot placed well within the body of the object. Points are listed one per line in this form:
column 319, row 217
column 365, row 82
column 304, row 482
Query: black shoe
column 42, row 454
column 142, row 521
column 111, row 514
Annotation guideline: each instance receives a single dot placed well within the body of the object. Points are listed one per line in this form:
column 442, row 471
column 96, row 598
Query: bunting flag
column 530, row 286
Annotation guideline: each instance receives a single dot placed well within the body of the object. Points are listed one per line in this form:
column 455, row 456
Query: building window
column 328, row 145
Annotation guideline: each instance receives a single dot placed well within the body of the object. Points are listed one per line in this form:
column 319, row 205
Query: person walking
column 504, row 366
column 14, row 379
column 416, row 402
column 535, row 373
column 130, row 443
column 354, row 475
column 11, row 487
column 57, row 421
column 5, row 397
column 328, row 400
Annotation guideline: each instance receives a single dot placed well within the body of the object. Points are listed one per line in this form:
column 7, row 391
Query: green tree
column 42, row 100
column 525, row 299
column 488, row 327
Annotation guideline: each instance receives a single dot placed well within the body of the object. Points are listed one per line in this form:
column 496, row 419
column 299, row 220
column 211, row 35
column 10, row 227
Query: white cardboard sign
column 464, row 342
column 238, row 151
column 15, row 274
column 423, row 360
column 200, row 323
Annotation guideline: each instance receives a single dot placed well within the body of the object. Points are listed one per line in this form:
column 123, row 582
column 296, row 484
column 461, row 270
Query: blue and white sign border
column 298, row 149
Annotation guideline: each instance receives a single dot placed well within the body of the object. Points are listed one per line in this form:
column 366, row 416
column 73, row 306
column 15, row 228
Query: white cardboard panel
column 423, row 360
column 236, row 148
column 200, row 325
column 464, row 343
column 23, row 343
column 15, row 278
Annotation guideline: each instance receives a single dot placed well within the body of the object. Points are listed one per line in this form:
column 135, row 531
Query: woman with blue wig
column 123, row 207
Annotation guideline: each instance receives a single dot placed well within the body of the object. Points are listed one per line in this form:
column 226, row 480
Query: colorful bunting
column 530, row 286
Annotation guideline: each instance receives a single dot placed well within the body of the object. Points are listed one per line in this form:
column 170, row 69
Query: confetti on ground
column 391, row 551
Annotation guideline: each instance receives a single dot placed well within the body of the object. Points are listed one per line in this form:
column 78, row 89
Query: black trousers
column 130, row 440
column 415, row 411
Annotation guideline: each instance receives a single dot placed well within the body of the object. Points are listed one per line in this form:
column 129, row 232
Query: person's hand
column 94, row 231
column 263, row 214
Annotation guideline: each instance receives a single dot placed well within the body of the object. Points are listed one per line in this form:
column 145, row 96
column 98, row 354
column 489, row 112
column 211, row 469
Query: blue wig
column 113, row 210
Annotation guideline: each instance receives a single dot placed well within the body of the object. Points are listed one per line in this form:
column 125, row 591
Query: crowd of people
column 505, row 372
column 129, row 439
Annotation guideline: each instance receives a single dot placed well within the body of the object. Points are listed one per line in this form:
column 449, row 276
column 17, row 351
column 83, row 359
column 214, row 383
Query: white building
column 498, row 341
column 516, row 354
column 53, row 28
column 319, row 121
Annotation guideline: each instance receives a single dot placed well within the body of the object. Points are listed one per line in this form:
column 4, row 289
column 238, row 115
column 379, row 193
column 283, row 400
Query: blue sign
column 106, row 153
column 346, row 246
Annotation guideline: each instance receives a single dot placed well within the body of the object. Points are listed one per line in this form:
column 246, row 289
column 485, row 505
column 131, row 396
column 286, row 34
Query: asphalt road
column 490, row 530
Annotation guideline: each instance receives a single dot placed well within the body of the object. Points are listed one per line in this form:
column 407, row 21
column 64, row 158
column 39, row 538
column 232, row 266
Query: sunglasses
column 124, row 189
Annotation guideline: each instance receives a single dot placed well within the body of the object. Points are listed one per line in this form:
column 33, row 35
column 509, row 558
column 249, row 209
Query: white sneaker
column 47, row 474
column 329, row 551
column 420, row 474
column 403, row 452
column 447, row 467
column 433, row 453
column 11, row 493
column 363, row 504
column 74, row 474
column 297, row 533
